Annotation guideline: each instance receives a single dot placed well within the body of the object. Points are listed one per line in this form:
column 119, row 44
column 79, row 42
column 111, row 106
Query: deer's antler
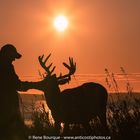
column 43, row 64
column 71, row 67
column 62, row 79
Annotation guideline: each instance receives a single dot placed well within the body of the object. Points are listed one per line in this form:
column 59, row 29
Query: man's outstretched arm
column 24, row 86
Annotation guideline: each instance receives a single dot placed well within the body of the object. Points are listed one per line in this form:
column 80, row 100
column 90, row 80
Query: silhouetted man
column 11, row 124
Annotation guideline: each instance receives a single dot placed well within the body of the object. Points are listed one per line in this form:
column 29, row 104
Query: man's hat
column 9, row 49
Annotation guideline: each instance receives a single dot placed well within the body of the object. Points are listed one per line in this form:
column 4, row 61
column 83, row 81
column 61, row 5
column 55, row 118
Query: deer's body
column 76, row 105
column 81, row 104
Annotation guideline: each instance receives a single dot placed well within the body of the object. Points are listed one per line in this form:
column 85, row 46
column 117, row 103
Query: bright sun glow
column 61, row 23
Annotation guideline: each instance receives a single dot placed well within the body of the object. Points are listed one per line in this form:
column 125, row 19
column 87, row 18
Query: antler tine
column 47, row 58
column 41, row 57
column 50, row 65
column 53, row 69
column 43, row 64
column 71, row 67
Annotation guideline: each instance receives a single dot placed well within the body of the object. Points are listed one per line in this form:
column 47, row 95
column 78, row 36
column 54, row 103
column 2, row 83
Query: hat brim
column 18, row 56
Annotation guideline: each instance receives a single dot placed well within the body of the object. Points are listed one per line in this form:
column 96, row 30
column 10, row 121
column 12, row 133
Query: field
column 123, row 117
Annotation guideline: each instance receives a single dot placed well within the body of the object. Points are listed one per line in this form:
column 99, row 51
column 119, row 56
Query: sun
column 61, row 23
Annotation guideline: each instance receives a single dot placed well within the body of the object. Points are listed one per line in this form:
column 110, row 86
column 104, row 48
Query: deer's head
column 52, row 78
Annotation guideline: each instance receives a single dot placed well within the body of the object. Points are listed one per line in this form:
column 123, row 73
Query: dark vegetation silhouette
column 76, row 105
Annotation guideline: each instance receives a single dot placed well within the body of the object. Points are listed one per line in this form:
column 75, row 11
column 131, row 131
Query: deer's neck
column 52, row 96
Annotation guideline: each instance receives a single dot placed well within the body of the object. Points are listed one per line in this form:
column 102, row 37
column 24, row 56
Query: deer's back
column 90, row 91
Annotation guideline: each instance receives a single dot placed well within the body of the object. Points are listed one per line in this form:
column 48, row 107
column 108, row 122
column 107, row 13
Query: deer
column 76, row 105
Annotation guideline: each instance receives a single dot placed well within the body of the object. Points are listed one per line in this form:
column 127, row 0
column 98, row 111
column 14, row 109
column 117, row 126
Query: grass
column 124, row 118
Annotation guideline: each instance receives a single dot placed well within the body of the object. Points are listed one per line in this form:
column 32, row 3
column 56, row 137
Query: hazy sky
column 102, row 34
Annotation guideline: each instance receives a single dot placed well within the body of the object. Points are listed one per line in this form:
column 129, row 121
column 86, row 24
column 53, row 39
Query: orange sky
column 102, row 34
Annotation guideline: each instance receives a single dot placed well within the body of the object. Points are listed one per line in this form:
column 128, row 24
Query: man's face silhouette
column 11, row 58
